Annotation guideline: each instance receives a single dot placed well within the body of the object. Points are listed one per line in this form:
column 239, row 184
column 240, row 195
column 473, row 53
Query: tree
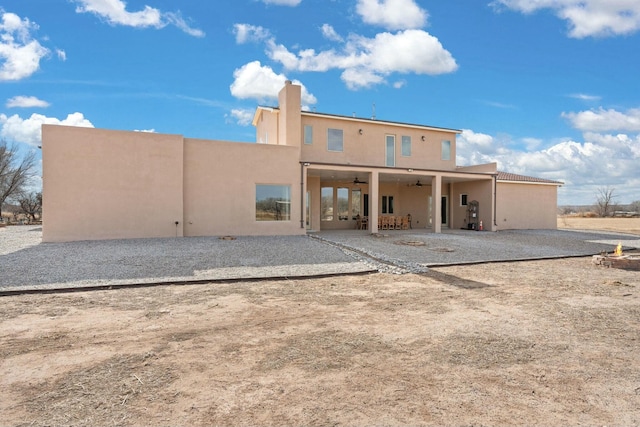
column 635, row 206
column 605, row 201
column 31, row 205
column 15, row 172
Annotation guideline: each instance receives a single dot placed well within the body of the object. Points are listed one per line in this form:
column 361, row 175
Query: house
column 306, row 171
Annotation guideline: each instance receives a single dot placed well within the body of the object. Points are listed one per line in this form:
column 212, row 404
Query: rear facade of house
column 305, row 172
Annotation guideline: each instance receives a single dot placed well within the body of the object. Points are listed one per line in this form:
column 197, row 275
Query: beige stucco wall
column 220, row 184
column 526, row 206
column 267, row 126
column 369, row 148
column 104, row 184
column 480, row 191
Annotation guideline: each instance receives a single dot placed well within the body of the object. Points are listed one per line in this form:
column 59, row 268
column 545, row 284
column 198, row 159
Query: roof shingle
column 506, row 176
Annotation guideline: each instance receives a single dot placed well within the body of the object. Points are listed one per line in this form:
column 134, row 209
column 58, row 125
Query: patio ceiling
column 403, row 177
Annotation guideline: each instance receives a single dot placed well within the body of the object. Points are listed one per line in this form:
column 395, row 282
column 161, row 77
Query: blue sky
column 547, row 88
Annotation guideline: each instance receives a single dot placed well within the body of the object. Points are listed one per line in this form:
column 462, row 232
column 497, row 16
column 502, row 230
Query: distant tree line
column 605, row 205
column 16, row 173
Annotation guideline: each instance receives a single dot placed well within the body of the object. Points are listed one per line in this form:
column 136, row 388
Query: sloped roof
column 512, row 177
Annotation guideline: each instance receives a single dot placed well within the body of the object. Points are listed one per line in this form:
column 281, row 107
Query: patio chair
column 364, row 223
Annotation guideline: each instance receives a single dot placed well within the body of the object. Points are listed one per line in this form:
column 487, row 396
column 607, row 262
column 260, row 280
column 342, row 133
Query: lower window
column 273, row 202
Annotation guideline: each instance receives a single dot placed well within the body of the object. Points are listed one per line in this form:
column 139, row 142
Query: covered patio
column 338, row 197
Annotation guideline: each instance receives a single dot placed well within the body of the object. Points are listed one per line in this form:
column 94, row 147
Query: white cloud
column 115, row 13
column 360, row 77
column 250, row 33
column 586, row 18
column 585, row 97
column 282, row 2
column 243, row 117
column 145, row 130
column 28, row 131
column 255, row 81
column 599, row 160
column 26, row 102
column 20, row 54
column 176, row 19
column 329, row 33
column 62, row 55
column 602, row 120
column 392, row 14
column 367, row 61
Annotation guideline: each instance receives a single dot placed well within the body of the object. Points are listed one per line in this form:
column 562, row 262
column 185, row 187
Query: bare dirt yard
column 553, row 342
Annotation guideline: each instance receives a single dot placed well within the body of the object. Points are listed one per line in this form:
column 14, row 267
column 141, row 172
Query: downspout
column 301, row 195
column 495, row 200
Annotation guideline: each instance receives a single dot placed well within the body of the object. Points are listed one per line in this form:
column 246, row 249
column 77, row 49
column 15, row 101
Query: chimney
column 290, row 118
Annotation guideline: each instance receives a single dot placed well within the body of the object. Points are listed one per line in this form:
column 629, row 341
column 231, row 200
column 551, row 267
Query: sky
column 545, row 88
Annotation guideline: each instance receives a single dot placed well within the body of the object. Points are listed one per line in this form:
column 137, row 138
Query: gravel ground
column 26, row 263
column 415, row 250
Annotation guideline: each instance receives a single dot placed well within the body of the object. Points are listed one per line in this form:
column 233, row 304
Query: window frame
column 445, row 150
column 308, row 135
column 464, row 199
column 387, row 139
column 342, row 215
column 329, row 140
column 356, row 203
column 331, row 205
column 386, row 205
column 270, row 188
column 405, row 142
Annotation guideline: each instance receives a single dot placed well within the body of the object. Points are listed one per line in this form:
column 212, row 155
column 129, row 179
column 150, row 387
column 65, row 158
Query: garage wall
column 526, row 206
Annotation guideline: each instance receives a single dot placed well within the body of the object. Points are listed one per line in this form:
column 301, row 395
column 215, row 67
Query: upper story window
column 308, row 134
column 446, row 150
column 390, row 150
column 406, row 146
column 335, row 140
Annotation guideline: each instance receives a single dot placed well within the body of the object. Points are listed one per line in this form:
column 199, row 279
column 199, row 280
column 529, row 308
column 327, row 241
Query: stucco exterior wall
column 267, row 126
column 480, row 191
column 104, row 184
column 526, row 206
column 220, row 187
column 369, row 148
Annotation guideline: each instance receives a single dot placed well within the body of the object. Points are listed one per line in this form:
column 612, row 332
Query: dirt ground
column 626, row 225
column 540, row 342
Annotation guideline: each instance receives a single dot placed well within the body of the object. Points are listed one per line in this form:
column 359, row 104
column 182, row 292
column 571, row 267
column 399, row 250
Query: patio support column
column 436, row 196
column 373, row 201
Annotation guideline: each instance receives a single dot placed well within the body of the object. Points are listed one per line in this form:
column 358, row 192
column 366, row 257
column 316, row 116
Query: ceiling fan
column 357, row 181
column 417, row 184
